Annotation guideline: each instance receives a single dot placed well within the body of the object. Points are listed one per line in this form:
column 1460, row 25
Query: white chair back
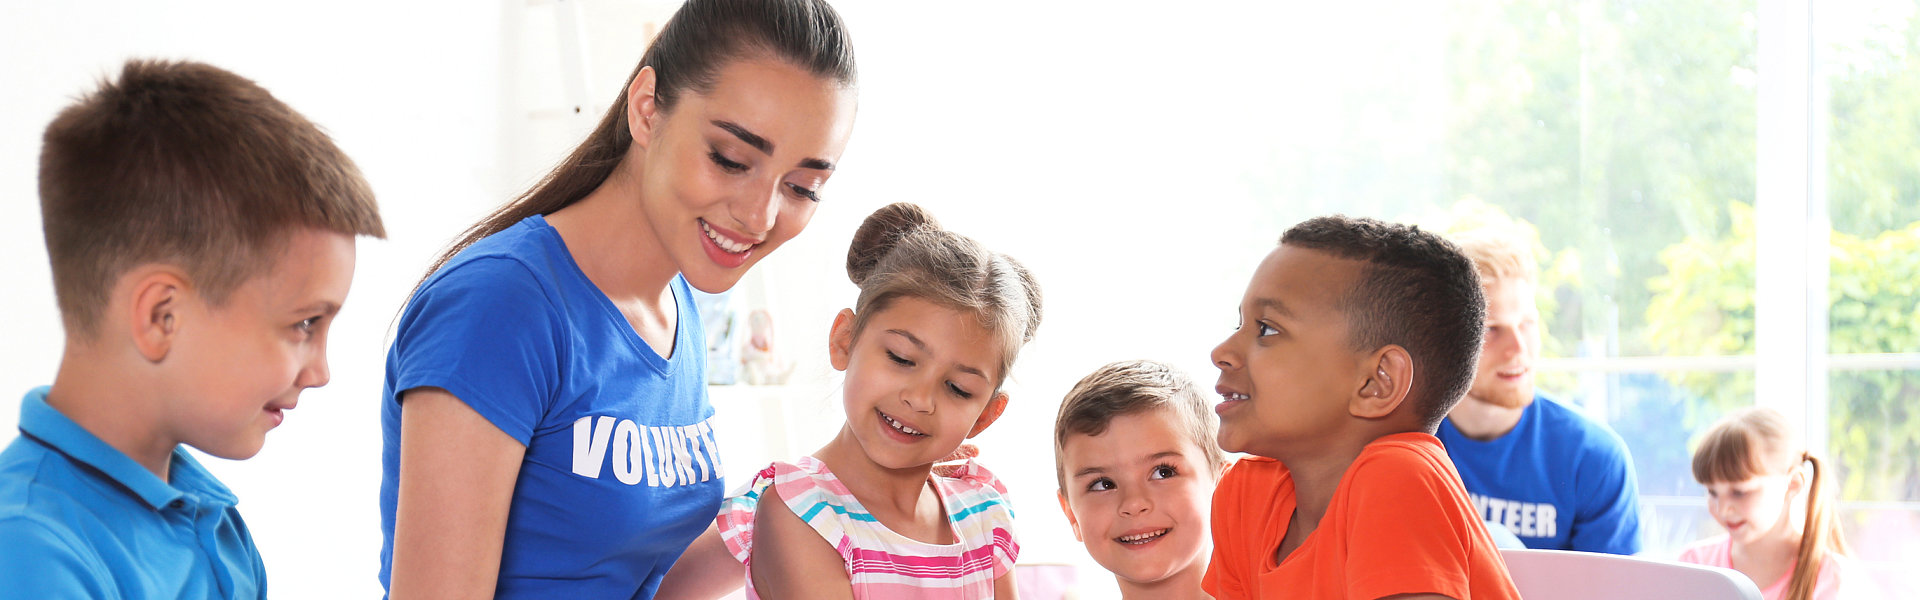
column 1563, row 575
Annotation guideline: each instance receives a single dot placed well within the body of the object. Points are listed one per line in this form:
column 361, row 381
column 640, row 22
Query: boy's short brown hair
column 1129, row 387
column 1417, row 291
column 187, row 164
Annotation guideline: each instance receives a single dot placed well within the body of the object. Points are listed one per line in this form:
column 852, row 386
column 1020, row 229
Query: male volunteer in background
column 1538, row 468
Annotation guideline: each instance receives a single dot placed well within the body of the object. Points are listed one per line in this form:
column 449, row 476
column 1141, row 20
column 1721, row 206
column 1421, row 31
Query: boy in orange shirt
column 1355, row 338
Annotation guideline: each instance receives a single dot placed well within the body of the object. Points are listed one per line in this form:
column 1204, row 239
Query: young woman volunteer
column 545, row 414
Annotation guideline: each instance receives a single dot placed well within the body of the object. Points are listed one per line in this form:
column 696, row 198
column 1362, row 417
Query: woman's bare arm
column 704, row 572
column 457, row 472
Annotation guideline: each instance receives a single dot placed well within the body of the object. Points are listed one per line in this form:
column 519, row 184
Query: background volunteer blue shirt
column 1559, row 481
column 79, row 519
column 621, row 470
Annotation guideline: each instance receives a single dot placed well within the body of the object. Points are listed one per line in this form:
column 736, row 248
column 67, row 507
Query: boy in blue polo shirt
column 202, row 240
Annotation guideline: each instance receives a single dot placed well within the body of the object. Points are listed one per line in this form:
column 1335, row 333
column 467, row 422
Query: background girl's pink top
column 1839, row 577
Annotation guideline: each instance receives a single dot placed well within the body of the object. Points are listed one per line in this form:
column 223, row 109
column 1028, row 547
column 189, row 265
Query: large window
column 1728, row 198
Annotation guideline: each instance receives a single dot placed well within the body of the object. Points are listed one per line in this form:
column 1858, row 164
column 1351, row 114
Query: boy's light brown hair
column 1130, row 387
column 187, row 164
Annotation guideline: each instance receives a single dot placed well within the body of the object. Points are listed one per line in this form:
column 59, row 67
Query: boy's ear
column 840, row 340
column 155, row 313
column 1386, row 384
column 643, row 107
column 1071, row 520
column 992, row 413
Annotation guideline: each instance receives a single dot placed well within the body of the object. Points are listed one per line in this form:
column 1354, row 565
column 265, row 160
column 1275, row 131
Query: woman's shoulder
column 512, row 273
column 522, row 251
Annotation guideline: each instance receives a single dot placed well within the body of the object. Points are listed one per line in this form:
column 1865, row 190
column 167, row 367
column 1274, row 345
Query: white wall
column 409, row 90
column 1126, row 153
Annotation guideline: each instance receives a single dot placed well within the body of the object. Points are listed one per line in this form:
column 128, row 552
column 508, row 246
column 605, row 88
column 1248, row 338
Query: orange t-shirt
column 1399, row 523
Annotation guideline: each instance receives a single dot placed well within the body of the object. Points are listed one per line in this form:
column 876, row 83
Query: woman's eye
column 803, row 192
column 898, row 360
column 959, row 392
column 1266, row 330
column 1100, row 485
column 725, row 163
column 1164, row 472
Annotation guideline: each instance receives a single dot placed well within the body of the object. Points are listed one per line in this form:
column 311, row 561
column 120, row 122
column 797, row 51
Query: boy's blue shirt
column 1558, row 480
column 80, row 519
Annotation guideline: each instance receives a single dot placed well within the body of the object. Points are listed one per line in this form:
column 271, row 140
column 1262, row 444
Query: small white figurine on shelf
column 761, row 364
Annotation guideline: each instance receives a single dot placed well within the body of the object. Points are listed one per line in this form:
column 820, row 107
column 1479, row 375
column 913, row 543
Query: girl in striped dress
column 925, row 349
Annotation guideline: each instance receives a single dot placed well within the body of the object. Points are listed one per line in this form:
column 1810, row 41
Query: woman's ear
column 643, row 107
column 840, row 340
column 1386, row 386
column 990, row 414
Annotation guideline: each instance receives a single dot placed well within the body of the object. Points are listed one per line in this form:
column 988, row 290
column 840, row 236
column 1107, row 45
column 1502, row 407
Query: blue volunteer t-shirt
column 1559, row 481
column 621, row 471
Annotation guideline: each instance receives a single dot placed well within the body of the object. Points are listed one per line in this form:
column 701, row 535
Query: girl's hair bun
column 880, row 233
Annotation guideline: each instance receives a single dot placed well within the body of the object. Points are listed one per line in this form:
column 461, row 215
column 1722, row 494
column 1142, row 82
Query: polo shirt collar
column 191, row 484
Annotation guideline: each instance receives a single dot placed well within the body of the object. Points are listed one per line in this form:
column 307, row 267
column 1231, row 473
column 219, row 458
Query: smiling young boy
column 1135, row 458
column 1355, row 338
column 201, row 235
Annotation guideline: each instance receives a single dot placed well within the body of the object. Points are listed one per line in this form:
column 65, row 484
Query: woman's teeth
column 722, row 241
column 1235, row 396
column 898, row 426
column 1141, row 538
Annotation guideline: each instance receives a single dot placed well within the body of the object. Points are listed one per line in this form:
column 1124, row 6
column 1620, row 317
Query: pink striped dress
column 881, row 563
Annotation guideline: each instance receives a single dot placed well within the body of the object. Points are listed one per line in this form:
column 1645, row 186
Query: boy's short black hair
column 1418, row 291
column 188, row 164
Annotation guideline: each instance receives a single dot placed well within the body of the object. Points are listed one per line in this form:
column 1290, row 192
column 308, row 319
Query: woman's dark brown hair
column 702, row 37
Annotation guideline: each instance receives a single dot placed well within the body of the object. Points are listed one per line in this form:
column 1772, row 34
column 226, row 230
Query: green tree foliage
column 1625, row 131
column 1618, row 128
column 1873, row 157
column 1703, row 305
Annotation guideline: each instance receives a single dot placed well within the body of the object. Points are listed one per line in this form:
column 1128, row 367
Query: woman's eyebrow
column 751, row 138
column 766, row 147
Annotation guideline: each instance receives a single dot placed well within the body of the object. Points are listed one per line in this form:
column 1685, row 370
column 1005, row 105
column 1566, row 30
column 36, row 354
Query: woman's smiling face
column 729, row 175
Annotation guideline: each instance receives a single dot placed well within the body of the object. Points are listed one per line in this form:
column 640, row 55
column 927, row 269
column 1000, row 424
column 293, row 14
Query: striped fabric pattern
column 881, row 563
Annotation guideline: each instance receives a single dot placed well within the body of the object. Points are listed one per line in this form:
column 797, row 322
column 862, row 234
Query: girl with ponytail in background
column 1773, row 498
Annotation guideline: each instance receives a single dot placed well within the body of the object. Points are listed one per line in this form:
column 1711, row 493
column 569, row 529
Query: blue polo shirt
column 79, row 519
